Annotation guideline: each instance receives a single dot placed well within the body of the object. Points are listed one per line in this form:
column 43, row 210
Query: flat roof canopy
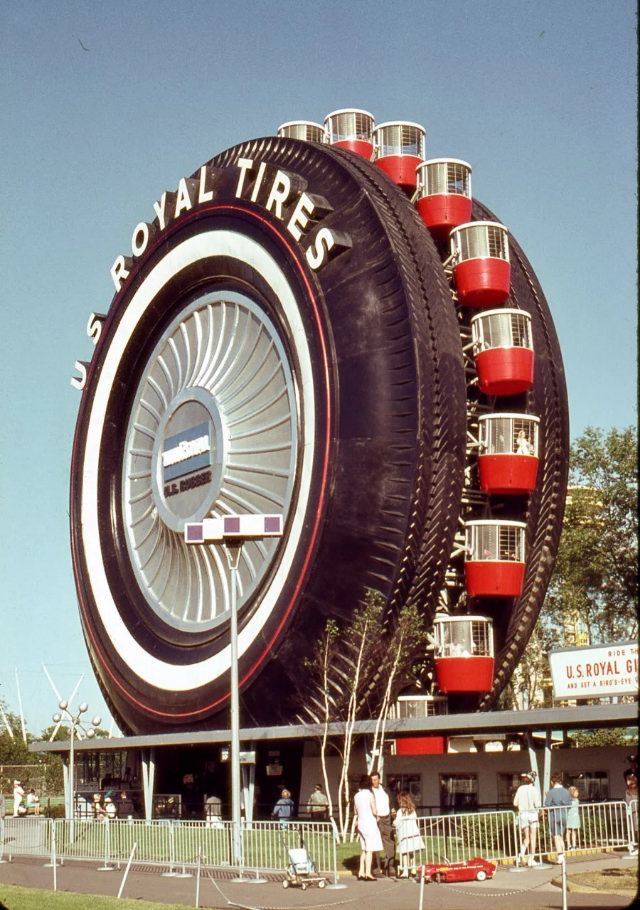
column 507, row 722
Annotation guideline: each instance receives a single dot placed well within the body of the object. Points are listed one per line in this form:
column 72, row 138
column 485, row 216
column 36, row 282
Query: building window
column 507, row 786
column 458, row 792
column 419, row 706
column 405, row 783
column 593, row 786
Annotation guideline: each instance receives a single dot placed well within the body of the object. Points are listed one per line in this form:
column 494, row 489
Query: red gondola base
column 359, row 146
column 482, row 282
column 508, row 473
column 505, row 371
column 401, row 169
column 464, row 674
column 494, row 578
column 444, row 211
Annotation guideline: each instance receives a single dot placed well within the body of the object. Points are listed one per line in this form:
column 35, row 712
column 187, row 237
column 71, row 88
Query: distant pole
column 72, row 777
column 75, row 725
column 6, row 723
column 22, row 724
column 52, row 684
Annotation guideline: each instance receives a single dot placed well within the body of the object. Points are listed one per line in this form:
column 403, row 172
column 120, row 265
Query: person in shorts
column 558, row 803
column 527, row 802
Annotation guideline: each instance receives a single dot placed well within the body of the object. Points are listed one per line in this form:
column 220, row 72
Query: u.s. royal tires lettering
column 282, row 339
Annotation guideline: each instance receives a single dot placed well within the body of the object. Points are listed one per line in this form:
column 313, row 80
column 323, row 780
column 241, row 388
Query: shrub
column 54, row 811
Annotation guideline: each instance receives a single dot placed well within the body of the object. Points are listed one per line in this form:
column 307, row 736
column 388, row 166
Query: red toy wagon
column 476, row 869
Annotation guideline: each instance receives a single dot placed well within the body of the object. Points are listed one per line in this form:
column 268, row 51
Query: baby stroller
column 301, row 871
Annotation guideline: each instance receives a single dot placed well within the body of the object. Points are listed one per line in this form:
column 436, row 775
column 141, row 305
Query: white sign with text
column 595, row 671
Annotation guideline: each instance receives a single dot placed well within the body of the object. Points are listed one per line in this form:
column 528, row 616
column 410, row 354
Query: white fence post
column 172, row 857
column 632, row 828
column 106, row 865
column 126, row 871
column 54, row 861
column 198, row 877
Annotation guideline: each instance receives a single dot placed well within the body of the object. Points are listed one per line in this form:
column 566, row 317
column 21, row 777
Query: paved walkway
column 527, row 889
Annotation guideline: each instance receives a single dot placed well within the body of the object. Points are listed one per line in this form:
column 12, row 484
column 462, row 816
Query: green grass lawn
column 14, row 898
column 46, row 804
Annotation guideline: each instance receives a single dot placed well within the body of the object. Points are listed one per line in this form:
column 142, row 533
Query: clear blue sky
column 106, row 105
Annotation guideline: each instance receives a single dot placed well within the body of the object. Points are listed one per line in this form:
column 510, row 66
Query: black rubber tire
column 383, row 481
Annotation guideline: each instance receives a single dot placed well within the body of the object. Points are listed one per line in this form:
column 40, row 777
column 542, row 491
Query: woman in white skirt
column 367, row 822
column 407, row 834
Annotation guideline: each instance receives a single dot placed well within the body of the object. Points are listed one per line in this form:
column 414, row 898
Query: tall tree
column 596, row 571
column 13, row 749
column 526, row 688
column 357, row 671
column 594, row 588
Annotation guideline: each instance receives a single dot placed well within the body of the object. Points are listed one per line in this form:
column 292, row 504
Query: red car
column 477, row 869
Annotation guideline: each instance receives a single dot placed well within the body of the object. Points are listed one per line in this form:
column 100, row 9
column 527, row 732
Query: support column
column 67, row 789
column 148, row 762
column 248, row 772
column 546, row 770
column 533, row 761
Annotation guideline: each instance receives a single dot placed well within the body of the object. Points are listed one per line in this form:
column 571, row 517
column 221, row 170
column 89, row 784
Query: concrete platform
column 527, row 889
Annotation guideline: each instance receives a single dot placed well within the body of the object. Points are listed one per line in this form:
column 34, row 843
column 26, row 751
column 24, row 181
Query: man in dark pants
column 383, row 810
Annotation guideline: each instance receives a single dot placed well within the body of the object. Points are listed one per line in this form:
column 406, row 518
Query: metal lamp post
column 74, row 724
column 233, row 550
column 233, row 531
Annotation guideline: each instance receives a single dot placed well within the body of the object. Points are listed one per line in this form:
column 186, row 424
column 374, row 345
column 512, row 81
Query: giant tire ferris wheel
column 338, row 396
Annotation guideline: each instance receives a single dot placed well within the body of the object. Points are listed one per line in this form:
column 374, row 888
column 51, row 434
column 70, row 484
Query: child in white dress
column 407, row 834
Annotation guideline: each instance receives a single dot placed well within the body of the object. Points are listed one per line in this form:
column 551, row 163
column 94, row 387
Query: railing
column 453, row 838
column 25, row 836
column 601, row 825
column 496, row 836
column 170, row 843
column 265, row 846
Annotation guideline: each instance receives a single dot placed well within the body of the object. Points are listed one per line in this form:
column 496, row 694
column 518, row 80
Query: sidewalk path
column 527, row 889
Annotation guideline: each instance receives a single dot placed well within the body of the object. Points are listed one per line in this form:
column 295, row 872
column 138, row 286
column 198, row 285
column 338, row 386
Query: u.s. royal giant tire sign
column 282, row 339
column 595, row 672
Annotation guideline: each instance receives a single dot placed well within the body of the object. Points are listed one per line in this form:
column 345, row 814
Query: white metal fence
column 25, row 836
column 265, row 846
column 171, row 843
column 600, row 825
column 496, row 836
column 453, row 838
